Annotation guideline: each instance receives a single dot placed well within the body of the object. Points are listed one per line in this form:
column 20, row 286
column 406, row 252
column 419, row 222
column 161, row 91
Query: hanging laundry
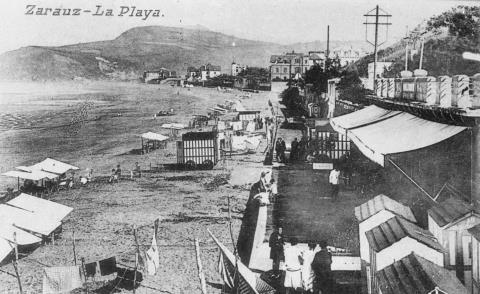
column 108, row 266
column 90, row 269
column 152, row 258
column 62, row 279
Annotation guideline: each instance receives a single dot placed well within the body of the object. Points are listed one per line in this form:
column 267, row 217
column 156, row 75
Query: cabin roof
column 395, row 229
column 383, row 202
column 414, row 274
column 449, row 211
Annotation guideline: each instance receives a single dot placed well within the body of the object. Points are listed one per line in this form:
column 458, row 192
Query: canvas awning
column 154, row 136
column 39, row 206
column 34, row 175
column 5, row 249
column 400, row 133
column 360, row 118
column 22, row 237
column 53, row 166
column 248, row 282
column 28, row 220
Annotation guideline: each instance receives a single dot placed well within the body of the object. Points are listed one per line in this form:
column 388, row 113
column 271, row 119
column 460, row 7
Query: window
column 277, row 70
column 285, row 70
column 297, row 60
column 297, row 69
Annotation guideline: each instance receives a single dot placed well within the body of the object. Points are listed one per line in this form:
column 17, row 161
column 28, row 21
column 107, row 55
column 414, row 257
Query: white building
column 415, row 274
column 237, row 68
column 449, row 222
column 347, row 55
column 395, row 239
column 375, row 212
column 209, row 71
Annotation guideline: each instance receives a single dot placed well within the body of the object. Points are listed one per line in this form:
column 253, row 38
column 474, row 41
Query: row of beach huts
column 398, row 256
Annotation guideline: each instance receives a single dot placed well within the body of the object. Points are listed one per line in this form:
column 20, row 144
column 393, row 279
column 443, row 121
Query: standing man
column 293, row 268
column 294, row 150
column 334, row 180
column 276, row 248
column 322, row 267
column 258, row 187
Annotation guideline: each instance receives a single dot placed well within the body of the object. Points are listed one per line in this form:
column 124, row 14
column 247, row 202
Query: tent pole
column 14, row 263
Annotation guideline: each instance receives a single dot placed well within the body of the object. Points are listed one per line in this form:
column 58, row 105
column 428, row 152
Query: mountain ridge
column 143, row 48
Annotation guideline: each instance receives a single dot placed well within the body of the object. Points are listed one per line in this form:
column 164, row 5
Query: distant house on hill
column 209, row 71
column 237, row 68
column 155, row 76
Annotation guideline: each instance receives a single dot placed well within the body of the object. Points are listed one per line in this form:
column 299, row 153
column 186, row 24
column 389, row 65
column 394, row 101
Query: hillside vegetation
column 447, row 37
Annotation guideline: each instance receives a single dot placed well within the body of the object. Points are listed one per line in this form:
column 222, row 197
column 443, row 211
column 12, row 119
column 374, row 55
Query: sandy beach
column 34, row 124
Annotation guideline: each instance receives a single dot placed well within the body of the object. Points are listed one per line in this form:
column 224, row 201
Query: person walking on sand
column 275, row 242
column 334, row 180
column 308, row 275
column 293, row 268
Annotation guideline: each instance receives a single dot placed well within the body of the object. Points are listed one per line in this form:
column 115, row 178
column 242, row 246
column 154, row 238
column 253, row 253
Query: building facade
column 237, row 68
column 155, row 76
column 291, row 64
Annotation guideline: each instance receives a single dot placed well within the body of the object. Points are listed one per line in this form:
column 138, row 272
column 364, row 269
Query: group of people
column 306, row 271
column 280, row 148
column 116, row 174
column 263, row 187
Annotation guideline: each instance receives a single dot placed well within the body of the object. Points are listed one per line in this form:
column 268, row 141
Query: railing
column 459, row 91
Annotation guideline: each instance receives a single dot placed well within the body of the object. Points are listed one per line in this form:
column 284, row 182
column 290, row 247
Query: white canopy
column 54, row 166
column 23, row 237
column 173, row 126
column 5, row 249
column 28, row 220
column 34, row 175
column 363, row 117
column 39, row 206
column 400, row 133
column 154, row 136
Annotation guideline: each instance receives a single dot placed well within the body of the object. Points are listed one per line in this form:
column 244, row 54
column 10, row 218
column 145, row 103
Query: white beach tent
column 34, row 175
column 154, row 136
column 39, row 206
column 5, row 249
column 53, row 166
column 28, row 220
column 7, row 232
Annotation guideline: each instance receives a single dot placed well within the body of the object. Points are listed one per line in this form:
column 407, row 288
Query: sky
column 280, row 21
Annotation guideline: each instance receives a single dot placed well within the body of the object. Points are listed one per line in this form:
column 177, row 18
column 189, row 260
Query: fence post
column 461, row 95
column 475, row 90
column 431, row 95
column 445, row 91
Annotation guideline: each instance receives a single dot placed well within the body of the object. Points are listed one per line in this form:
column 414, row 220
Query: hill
column 139, row 49
column 447, row 36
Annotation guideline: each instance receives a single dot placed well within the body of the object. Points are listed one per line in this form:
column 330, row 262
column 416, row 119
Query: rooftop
column 383, row 202
column 394, row 230
column 414, row 274
column 449, row 211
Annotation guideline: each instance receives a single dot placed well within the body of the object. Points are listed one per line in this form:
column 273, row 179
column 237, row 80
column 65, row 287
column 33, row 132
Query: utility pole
column 328, row 47
column 377, row 23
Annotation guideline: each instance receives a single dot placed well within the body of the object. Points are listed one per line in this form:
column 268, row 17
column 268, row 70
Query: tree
column 461, row 21
column 319, row 77
column 350, row 86
column 293, row 101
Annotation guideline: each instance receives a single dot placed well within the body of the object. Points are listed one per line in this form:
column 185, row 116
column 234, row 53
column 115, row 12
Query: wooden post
column 14, row 263
column 16, row 245
column 135, row 273
column 74, row 251
column 201, row 275
column 84, row 274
